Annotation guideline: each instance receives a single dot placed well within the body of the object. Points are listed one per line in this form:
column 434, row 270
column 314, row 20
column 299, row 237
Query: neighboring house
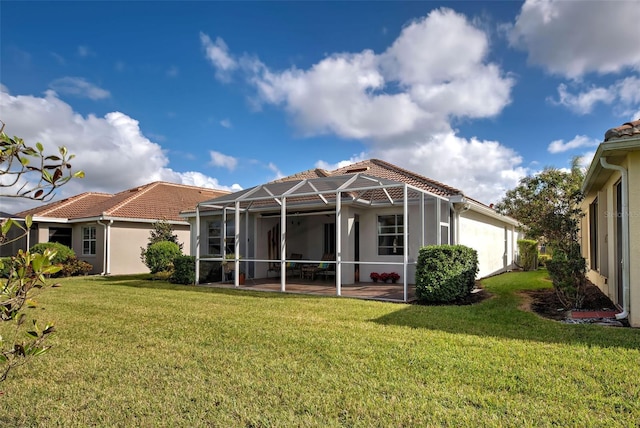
column 371, row 216
column 109, row 230
column 16, row 238
column 611, row 225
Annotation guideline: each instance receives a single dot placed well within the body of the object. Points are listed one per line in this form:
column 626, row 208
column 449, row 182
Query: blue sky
column 230, row 95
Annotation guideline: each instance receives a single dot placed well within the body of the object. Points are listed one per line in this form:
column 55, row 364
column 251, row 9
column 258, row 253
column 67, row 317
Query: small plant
column 374, row 276
column 63, row 253
column 393, row 276
column 159, row 256
column 75, row 267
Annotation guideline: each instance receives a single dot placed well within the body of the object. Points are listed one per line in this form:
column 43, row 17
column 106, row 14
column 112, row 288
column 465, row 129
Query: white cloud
column 222, row 160
column 218, row 54
column 79, row 87
column 559, row 146
column 585, row 159
column 572, row 38
column 483, row 170
column 623, row 94
column 109, row 149
column 59, row 58
column 401, row 102
column 277, row 173
column 84, row 51
column 225, row 123
column 341, row 164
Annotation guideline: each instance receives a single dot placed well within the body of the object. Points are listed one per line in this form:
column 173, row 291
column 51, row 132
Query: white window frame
column 89, row 235
column 397, row 249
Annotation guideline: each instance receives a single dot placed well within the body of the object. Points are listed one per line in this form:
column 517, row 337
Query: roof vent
column 350, row 171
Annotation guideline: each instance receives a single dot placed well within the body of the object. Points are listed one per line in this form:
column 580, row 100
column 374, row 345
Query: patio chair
column 311, row 270
column 295, row 268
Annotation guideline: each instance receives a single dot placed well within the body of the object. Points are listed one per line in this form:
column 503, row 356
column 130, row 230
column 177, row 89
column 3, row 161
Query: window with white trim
column 391, row 235
column 89, row 241
column 216, row 240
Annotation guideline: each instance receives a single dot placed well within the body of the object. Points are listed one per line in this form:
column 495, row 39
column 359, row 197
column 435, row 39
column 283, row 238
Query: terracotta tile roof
column 382, row 169
column 154, row 201
column 627, row 130
column 310, row 173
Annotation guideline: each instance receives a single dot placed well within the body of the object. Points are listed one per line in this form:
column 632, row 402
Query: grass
column 131, row 352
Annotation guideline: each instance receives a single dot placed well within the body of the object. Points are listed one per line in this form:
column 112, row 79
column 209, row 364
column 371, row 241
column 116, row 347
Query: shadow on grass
column 501, row 317
column 147, row 281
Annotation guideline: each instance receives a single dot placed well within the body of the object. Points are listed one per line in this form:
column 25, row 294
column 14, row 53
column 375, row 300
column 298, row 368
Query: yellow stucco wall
column 606, row 275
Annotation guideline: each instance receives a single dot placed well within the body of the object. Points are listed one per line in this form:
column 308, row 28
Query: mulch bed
column 546, row 303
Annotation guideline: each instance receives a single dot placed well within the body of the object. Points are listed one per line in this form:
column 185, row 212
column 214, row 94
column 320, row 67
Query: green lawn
column 130, row 352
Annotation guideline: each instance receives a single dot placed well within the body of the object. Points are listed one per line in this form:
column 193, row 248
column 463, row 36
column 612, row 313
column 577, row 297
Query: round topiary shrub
column 63, row 253
column 159, row 256
column 445, row 273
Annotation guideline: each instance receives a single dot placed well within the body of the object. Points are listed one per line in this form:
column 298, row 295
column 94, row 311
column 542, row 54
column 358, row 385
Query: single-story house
column 611, row 224
column 367, row 217
column 108, row 230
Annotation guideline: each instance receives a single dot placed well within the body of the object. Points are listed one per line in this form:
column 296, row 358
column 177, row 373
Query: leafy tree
column 163, row 231
column 547, row 204
column 25, row 273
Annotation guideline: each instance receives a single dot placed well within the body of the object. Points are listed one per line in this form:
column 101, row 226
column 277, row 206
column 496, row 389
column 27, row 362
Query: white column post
column 283, row 244
column 236, row 249
column 438, row 227
column 405, row 230
column 422, row 239
column 197, row 237
column 338, row 244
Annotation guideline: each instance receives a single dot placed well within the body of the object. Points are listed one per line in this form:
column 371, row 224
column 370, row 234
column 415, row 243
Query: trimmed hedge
column 445, row 273
column 528, row 249
column 184, row 270
column 159, row 256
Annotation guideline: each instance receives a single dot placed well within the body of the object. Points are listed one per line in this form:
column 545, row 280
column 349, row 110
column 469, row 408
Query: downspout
column 625, row 236
column 106, row 262
column 459, row 208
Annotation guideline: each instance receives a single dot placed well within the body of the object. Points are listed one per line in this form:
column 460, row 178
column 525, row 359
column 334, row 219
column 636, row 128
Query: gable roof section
column 155, row 201
column 388, row 171
column 618, row 142
column 304, row 175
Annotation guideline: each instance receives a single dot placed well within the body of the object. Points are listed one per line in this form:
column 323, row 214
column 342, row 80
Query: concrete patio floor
column 361, row 290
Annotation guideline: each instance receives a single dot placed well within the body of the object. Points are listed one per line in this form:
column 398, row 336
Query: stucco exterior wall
column 491, row 238
column 606, row 275
column 634, row 237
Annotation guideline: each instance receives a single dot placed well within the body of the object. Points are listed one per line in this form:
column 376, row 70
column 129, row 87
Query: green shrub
column 445, row 273
column 63, row 253
column 184, row 270
column 75, row 267
column 528, row 249
column 5, row 266
column 159, row 256
column 567, row 272
column 543, row 259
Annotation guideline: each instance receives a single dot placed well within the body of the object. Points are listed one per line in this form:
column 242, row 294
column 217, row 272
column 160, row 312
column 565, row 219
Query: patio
column 361, row 290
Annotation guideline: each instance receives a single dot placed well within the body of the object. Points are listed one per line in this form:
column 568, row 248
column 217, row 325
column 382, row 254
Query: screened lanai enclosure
column 327, row 235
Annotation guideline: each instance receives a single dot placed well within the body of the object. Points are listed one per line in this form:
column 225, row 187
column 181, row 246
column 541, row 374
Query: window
column 329, row 246
column 593, row 234
column 215, row 239
column 390, row 235
column 61, row 235
column 89, row 241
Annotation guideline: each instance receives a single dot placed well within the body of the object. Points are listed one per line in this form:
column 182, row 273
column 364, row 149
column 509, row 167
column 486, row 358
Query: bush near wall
column 159, row 256
column 184, row 270
column 65, row 256
column 63, row 253
column 528, row 249
column 445, row 273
